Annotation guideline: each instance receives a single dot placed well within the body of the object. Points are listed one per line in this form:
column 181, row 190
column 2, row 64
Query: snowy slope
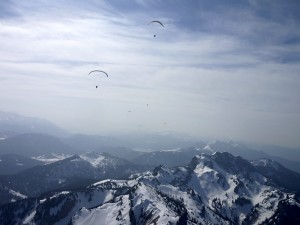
column 73, row 172
column 212, row 189
column 9, row 195
column 217, row 189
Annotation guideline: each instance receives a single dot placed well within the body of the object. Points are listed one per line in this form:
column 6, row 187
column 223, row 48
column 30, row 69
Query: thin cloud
column 224, row 68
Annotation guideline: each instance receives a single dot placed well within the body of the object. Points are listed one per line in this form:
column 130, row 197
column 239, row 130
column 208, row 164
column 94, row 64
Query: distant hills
column 13, row 123
column 34, row 137
column 13, row 163
column 37, row 144
column 34, row 144
column 140, row 142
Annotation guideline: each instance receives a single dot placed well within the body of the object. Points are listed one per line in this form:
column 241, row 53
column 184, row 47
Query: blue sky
column 218, row 69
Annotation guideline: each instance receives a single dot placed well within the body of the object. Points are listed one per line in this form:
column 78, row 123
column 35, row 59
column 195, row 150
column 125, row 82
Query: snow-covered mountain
column 13, row 122
column 182, row 156
column 278, row 174
column 213, row 189
column 251, row 154
column 73, row 172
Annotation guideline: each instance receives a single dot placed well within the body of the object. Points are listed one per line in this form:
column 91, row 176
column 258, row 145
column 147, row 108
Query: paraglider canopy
column 157, row 21
column 101, row 71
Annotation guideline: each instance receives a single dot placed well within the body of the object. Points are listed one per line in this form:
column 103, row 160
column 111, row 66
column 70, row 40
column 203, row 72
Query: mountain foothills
column 216, row 188
column 48, row 176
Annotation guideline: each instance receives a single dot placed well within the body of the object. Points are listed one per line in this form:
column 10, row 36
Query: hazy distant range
column 30, row 136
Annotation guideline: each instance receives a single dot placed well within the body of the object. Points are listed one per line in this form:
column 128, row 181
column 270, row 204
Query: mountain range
column 33, row 131
column 216, row 188
column 251, row 154
column 37, row 144
column 49, row 176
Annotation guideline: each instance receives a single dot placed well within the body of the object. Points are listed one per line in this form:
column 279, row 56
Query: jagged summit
column 225, row 160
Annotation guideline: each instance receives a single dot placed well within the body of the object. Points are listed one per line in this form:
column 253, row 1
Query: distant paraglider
column 158, row 22
column 99, row 71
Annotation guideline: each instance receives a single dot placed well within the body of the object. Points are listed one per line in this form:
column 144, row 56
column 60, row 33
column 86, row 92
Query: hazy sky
column 219, row 69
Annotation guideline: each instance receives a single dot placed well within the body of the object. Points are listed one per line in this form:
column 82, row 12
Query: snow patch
column 94, row 159
column 171, row 150
column 29, row 218
column 17, row 194
column 208, row 148
column 51, row 158
column 60, row 193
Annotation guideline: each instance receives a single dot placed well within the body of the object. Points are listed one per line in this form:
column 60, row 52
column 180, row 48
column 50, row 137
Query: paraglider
column 156, row 21
column 101, row 71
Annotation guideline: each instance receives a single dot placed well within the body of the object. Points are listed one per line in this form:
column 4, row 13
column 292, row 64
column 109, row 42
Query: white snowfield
column 47, row 159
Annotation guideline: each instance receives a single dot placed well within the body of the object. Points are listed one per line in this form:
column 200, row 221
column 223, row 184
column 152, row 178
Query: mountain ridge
column 72, row 172
column 203, row 192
